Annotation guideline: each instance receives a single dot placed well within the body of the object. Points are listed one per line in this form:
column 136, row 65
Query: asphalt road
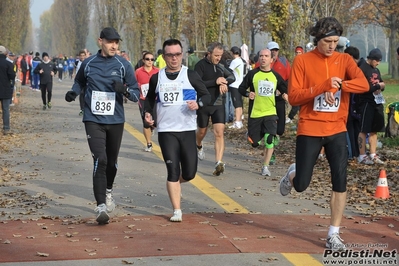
column 51, row 167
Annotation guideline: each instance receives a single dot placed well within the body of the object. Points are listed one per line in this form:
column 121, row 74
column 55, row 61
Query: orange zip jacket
column 310, row 77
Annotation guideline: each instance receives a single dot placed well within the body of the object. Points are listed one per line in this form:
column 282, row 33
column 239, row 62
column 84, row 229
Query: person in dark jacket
column 47, row 69
column 107, row 78
column 217, row 78
column 24, row 69
column 7, row 76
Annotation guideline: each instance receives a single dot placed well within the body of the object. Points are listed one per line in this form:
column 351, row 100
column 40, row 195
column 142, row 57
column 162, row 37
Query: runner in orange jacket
column 320, row 83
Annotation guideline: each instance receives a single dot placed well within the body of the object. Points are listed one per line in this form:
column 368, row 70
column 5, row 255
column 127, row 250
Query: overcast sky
column 37, row 8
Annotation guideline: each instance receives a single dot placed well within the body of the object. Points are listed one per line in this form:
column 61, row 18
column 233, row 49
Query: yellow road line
column 227, row 203
column 301, row 259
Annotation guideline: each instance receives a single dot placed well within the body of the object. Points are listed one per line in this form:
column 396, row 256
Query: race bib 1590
column 320, row 104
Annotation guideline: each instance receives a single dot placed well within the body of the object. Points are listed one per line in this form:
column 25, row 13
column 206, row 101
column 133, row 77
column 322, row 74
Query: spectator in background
column 192, row 59
column 298, row 50
column 10, row 57
column 294, row 109
column 227, row 57
column 71, row 66
column 24, row 69
column 35, row 77
column 29, row 58
column 82, row 56
column 160, row 61
column 371, row 108
column 7, row 74
column 237, row 65
column 60, row 66
column 353, row 123
column 140, row 63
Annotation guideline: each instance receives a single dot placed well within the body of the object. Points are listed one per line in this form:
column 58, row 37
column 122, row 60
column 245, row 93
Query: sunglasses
column 149, row 59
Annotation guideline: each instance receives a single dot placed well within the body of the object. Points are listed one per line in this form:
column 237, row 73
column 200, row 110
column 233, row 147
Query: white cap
column 3, row 50
column 343, row 42
column 273, row 45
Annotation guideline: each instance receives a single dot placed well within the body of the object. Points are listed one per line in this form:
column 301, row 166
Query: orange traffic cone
column 382, row 190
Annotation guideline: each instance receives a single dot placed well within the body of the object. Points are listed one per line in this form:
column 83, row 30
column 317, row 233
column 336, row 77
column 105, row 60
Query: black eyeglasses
column 149, row 59
column 173, row 55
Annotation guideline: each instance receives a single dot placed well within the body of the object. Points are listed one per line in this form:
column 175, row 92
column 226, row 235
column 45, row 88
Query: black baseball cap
column 110, row 33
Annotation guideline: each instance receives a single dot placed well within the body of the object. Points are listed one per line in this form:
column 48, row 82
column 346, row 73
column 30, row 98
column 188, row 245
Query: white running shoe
column 149, row 147
column 177, row 216
column 102, row 217
column 365, row 160
column 285, row 184
column 376, row 159
column 265, row 171
column 201, row 153
column 335, row 243
column 236, row 125
column 109, row 200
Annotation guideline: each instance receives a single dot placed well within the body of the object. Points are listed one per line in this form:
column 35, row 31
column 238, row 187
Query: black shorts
column 154, row 115
column 179, row 150
column 258, row 127
column 215, row 112
column 372, row 117
column 307, row 151
column 236, row 97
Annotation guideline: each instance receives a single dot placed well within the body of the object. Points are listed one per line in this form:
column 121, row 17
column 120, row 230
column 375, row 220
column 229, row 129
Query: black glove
column 119, row 87
column 70, row 96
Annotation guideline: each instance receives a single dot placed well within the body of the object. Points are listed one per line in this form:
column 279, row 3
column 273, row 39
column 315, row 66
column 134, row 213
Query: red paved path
column 144, row 236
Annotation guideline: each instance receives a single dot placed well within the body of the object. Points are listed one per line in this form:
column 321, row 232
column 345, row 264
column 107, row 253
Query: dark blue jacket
column 98, row 73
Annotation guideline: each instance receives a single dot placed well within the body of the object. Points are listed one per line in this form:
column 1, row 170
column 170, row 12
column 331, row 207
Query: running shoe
column 149, row 147
column 265, row 171
column 376, row 159
column 285, row 184
column 44, row 107
column 219, row 168
column 177, row 216
column 102, row 216
column 335, row 243
column 49, row 105
column 236, row 125
column 109, row 200
column 201, row 153
column 365, row 160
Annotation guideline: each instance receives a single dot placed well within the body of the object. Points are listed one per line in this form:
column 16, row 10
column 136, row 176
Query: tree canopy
column 144, row 24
